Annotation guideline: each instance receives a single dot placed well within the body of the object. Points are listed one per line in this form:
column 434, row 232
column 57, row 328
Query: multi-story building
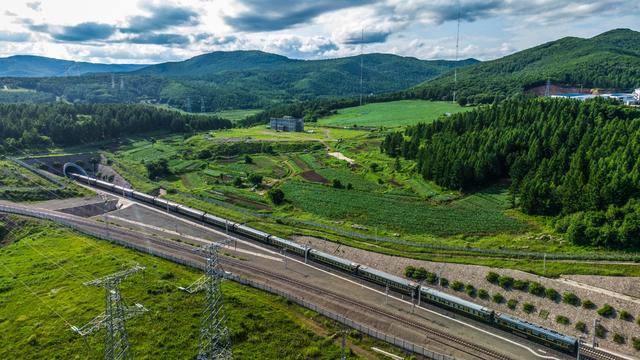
column 287, row 123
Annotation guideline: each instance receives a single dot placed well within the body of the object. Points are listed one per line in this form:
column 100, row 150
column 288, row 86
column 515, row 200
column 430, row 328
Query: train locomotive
column 428, row 295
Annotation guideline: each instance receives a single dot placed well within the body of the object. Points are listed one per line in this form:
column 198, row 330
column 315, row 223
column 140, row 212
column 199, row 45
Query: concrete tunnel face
column 72, row 168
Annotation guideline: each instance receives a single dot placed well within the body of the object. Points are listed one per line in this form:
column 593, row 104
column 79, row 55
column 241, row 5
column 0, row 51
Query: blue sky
column 148, row 31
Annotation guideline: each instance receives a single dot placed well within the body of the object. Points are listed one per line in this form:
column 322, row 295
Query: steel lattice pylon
column 114, row 317
column 214, row 342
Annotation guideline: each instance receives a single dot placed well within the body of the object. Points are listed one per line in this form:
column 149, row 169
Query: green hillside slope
column 609, row 60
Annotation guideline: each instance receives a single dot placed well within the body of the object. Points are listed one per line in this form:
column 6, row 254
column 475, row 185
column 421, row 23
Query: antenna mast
column 455, row 70
column 361, row 61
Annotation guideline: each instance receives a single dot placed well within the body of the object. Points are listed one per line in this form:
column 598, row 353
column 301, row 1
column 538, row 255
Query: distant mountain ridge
column 610, row 60
column 243, row 79
column 40, row 66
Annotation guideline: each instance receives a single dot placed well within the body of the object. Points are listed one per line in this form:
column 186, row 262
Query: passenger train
column 452, row 303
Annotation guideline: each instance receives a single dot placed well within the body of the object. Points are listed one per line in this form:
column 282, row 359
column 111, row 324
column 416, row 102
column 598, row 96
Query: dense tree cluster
column 579, row 161
column 29, row 126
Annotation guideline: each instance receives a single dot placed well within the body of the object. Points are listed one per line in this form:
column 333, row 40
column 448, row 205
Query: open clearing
column 42, row 294
column 392, row 114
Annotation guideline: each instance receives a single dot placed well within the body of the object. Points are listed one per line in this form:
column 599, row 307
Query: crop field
column 392, row 114
column 42, row 295
column 236, row 115
column 478, row 214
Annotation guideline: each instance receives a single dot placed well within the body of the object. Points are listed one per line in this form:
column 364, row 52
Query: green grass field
column 236, row 115
column 43, row 268
column 392, row 114
column 20, row 184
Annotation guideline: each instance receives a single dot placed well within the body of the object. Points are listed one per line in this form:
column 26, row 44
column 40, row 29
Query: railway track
column 448, row 340
column 589, row 353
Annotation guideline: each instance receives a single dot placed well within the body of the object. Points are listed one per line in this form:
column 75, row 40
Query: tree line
column 42, row 125
column 576, row 161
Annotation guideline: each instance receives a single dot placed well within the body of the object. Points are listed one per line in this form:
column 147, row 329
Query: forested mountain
column 609, row 60
column 39, row 66
column 242, row 79
column 577, row 161
column 43, row 125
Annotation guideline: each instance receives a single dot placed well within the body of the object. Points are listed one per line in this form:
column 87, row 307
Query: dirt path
column 340, row 156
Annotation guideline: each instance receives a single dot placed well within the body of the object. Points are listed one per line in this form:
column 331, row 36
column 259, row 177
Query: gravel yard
column 545, row 310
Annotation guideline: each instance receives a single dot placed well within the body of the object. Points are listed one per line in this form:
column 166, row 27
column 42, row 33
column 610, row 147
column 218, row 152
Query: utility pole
column 595, row 324
column 113, row 319
column 214, row 342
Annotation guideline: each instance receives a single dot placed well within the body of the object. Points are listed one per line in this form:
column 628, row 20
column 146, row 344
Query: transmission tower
column 361, row 62
column 202, row 108
column 113, row 81
column 214, row 342
column 455, row 70
column 188, row 104
column 113, row 319
column 547, row 89
column 121, row 83
column 344, row 344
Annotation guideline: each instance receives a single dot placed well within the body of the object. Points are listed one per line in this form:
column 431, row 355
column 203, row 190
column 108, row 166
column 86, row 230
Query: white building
column 636, row 95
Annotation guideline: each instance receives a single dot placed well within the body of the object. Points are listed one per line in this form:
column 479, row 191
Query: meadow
column 42, row 295
column 392, row 114
column 19, row 184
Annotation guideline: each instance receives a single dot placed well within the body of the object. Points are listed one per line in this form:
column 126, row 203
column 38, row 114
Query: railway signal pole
column 113, row 319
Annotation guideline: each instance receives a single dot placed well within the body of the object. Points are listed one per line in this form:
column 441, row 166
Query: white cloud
column 420, row 28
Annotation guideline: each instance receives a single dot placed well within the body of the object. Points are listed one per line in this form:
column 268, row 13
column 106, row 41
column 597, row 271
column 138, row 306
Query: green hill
column 243, row 79
column 610, row 60
column 39, row 66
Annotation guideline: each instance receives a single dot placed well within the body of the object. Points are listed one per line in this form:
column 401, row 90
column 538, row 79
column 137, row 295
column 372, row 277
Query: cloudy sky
column 147, row 31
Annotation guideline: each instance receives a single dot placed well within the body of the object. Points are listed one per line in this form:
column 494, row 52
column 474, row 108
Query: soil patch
column 313, row 176
column 247, row 203
column 300, row 163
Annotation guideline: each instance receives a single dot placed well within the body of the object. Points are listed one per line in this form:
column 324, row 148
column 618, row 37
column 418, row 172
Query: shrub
column 337, row 184
column 444, row 282
column 483, row 294
column 248, row 159
column 457, row 286
column 498, row 298
column 276, row 196
column 536, row 289
column 505, row 282
column 601, row 331
column 431, row 278
column 625, row 315
column 570, row 298
column 561, row 319
column 512, row 303
column 349, row 186
column 638, row 321
column 581, row 326
column 528, row 308
column 470, row 290
column 237, row 182
column 409, row 270
column 606, row 311
column 520, row 285
column 492, row 277
column 551, row 294
column 420, row 273
column 636, row 343
column 588, row 304
column 618, row 339
column 544, row 314
column 255, row 179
